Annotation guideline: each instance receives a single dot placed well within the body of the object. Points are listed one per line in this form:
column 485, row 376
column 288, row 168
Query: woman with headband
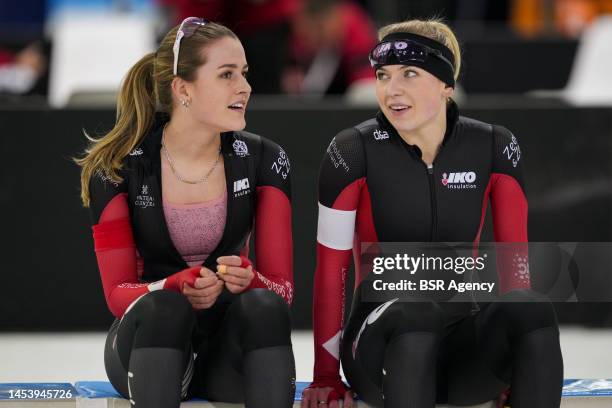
column 420, row 172
column 175, row 189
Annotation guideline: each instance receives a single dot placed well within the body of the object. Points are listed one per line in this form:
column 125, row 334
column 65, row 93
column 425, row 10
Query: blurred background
column 542, row 68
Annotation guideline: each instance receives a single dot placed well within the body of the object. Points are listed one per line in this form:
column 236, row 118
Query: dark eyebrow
column 246, row 66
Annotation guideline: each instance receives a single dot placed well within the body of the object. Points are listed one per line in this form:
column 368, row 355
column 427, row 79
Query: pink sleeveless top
column 196, row 229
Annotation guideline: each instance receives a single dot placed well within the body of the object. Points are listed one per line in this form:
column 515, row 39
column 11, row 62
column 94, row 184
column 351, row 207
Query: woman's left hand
column 236, row 278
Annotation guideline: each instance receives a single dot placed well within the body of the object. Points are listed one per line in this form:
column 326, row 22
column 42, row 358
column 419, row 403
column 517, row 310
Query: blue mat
column 571, row 388
column 96, row 389
column 104, row 389
column 587, row 388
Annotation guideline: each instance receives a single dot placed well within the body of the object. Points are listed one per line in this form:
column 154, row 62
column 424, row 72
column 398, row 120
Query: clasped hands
column 208, row 286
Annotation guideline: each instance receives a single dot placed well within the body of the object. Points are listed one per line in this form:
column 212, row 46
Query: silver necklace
column 176, row 174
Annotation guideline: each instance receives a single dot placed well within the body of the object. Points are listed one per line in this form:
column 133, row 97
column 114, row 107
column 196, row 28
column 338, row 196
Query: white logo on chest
column 459, row 180
column 144, row 200
column 241, row 187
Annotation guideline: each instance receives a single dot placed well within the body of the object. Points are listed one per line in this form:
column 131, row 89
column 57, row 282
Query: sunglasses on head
column 405, row 52
column 185, row 30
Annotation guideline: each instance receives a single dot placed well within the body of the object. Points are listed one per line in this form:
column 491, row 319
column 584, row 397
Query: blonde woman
column 175, row 189
column 419, row 172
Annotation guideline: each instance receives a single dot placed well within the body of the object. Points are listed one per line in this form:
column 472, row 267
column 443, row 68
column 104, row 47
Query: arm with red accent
column 273, row 237
column 341, row 178
column 509, row 211
column 116, row 251
column 273, row 243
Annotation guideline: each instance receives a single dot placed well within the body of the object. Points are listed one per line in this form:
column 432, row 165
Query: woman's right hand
column 205, row 290
column 319, row 395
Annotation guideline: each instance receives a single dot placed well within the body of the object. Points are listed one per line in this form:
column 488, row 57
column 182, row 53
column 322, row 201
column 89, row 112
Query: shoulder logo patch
column 241, row 187
column 105, row 177
column 336, row 157
column 281, row 165
column 380, row 134
column 240, row 148
column 513, row 152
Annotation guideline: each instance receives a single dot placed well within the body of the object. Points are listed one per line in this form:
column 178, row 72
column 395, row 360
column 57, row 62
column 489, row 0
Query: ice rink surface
column 71, row 357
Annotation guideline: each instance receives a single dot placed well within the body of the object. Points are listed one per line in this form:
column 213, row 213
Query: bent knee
column 526, row 311
column 166, row 309
column 263, row 304
column 264, row 317
column 405, row 317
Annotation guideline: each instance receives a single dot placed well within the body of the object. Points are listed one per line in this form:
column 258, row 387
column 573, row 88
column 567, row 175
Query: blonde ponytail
column 135, row 114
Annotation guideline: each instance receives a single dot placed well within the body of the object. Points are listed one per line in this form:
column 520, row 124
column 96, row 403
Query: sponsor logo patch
column 281, row 165
column 336, row 157
column 105, row 178
column 144, row 200
column 513, row 152
column 380, row 134
column 459, row 180
column 241, row 187
column 240, row 148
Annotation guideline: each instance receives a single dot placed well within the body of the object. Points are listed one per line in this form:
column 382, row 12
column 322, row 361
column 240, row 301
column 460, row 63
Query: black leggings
column 406, row 354
column 149, row 353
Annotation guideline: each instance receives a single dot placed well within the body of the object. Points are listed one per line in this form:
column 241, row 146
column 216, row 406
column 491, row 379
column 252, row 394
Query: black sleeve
column 102, row 190
column 507, row 155
column 274, row 167
column 343, row 163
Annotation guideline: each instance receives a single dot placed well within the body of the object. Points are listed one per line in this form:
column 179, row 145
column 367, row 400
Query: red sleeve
column 116, row 255
column 118, row 262
column 509, row 206
column 328, row 312
column 509, row 210
column 273, row 243
column 341, row 179
column 334, row 252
